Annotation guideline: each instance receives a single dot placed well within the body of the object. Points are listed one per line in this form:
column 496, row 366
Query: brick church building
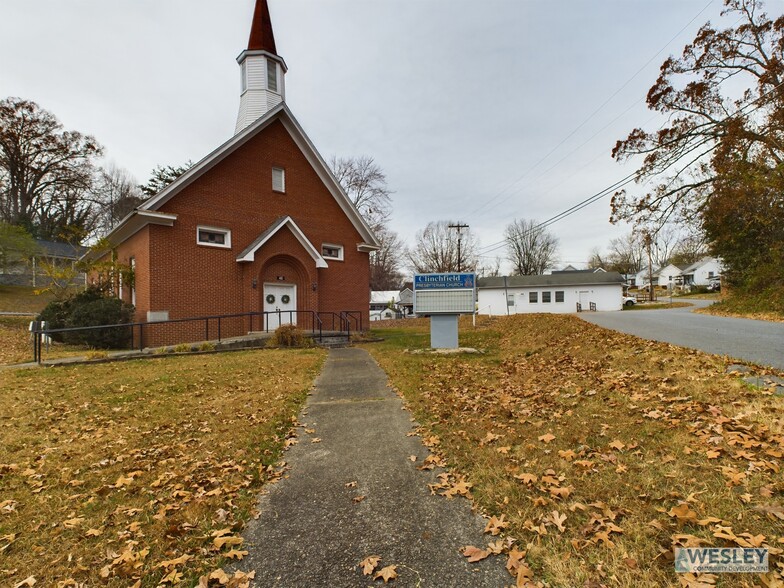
column 259, row 224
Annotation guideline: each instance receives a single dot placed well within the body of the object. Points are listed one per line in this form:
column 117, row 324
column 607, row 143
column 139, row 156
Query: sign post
column 444, row 297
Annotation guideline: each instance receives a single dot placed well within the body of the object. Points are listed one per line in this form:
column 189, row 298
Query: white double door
column 280, row 300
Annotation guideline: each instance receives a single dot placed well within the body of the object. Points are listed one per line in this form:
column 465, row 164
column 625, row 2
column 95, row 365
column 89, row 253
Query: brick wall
column 175, row 273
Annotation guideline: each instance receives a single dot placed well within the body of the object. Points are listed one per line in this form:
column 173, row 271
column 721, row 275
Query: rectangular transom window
column 278, row 179
column 331, row 251
column 546, row 296
column 213, row 237
column 559, row 295
column 533, row 297
column 272, row 75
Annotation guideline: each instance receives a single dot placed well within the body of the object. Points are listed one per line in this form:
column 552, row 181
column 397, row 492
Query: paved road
column 312, row 533
column 759, row 342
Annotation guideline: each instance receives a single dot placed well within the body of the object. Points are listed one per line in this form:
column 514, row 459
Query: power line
column 630, row 178
column 590, row 116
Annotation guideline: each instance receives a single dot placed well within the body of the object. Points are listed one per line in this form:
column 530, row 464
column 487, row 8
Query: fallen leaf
column 474, row 554
column 220, row 542
column 369, row 564
column 547, row 437
column 495, row 525
column 683, row 513
column 558, row 520
column 388, row 573
column 235, row 554
column 527, row 478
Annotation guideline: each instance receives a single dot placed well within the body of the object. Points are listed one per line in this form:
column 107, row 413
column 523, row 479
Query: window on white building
column 533, row 297
column 546, row 297
column 559, row 295
column 272, row 75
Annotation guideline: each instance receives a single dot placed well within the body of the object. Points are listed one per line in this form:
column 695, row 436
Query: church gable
column 237, row 181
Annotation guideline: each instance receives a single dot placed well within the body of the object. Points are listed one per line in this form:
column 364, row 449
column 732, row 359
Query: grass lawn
column 15, row 344
column 598, row 452
column 22, row 299
column 140, row 473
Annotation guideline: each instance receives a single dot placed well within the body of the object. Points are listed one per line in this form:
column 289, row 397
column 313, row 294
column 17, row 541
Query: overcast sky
column 478, row 111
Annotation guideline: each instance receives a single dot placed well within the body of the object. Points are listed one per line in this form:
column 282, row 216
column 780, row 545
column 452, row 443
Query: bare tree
column 690, row 248
column 117, row 190
column 596, row 260
column 436, row 250
column 627, row 254
column 46, row 172
column 366, row 185
column 385, row 263
column 491, row 269
column 531, row 248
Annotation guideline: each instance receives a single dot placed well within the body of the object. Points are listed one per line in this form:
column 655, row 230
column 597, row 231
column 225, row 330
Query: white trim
column 282, row 112
column 297, row 232
column 225, row 232
column 134, row 222
column 339, row 256
column 282, row 171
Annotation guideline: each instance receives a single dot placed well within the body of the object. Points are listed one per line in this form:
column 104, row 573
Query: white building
column 702, row 272
column 556, row 293
column 384, row 305
column 671, row 276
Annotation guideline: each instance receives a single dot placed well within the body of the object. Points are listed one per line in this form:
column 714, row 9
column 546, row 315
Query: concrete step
column 332, row 341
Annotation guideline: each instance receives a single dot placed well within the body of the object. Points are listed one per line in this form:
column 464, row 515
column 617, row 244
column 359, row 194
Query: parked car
column 629, row 301
column 714, row 285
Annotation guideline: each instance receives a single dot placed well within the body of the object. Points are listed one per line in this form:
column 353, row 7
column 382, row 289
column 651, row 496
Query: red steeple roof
column 261, row 36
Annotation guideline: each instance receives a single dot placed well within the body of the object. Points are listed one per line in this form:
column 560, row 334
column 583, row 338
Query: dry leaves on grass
column 145, row 470
column 639, row 445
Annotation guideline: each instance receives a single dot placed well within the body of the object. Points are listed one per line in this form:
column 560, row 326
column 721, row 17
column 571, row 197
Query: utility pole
column 459, row 228
column 650, row 266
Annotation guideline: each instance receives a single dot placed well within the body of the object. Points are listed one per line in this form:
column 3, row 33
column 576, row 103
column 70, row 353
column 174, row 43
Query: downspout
column 506, row 297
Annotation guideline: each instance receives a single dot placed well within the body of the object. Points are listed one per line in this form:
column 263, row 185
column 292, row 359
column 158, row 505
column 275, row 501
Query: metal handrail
column 39, row 333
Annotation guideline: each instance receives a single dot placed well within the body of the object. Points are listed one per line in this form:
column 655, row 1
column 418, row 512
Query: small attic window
column 330, row 251
column 278, row 179
column 272, row 75
column 213, row 237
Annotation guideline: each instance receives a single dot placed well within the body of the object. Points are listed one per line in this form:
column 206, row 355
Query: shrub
column 182, row 348
column 207, row 346
column 86, row 309
column 289, row 336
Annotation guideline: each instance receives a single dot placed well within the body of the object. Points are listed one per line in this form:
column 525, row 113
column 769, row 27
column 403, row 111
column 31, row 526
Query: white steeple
column 262, row 71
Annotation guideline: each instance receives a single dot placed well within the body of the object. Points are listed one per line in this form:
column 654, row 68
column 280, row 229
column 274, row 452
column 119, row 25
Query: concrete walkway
column 312, row 533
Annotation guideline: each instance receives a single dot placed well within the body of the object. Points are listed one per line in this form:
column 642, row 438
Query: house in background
column 259, row 224
column 384, row 305
column 559, row 292
column 406, row 300
column 49, row 252
column 670, row 276
column 702, row 272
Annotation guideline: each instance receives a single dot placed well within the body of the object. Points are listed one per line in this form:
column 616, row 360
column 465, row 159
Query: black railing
column 592, row 306
column 190, row 329
column 579, row 307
